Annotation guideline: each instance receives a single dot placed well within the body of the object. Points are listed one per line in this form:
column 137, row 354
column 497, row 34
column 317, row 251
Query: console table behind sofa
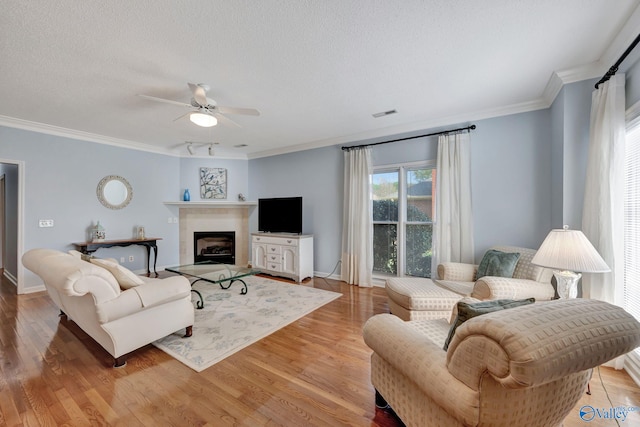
column 148, row 243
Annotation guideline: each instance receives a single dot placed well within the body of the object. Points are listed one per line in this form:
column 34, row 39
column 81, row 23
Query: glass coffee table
column 224, row 275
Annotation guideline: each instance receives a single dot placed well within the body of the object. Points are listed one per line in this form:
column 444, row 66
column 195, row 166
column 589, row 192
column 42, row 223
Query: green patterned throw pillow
column 497, row 263
column 468, row 311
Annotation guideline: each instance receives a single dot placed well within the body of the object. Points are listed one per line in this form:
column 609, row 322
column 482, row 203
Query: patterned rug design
column 230, row 322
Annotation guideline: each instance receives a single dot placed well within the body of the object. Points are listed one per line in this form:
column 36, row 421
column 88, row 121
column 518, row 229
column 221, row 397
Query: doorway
column 3, row 243
column 11, row 221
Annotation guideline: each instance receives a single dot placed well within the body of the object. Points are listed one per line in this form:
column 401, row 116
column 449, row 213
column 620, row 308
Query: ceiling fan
column 207, row 112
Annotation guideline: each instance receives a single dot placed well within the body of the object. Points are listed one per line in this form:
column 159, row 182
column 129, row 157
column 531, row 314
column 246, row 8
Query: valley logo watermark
column 620, row 413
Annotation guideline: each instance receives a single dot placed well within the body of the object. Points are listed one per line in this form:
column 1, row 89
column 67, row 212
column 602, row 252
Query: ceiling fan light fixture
column 203, row 119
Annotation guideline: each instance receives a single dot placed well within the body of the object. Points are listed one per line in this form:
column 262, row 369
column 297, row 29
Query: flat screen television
column 280, row 215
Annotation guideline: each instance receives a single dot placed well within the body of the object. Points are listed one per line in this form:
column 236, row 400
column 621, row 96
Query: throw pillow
column 126, row 278
column 468, row 311
column 497, row 263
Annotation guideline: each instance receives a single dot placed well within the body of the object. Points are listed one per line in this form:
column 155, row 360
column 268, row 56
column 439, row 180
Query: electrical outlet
column 175, row 220
column 45, row 223
column 121, row 259
column 130, row 258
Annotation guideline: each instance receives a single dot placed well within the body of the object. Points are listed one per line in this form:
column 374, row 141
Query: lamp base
column 567, row 283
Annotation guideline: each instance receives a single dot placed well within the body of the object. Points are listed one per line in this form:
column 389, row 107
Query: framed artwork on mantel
column 213, row 183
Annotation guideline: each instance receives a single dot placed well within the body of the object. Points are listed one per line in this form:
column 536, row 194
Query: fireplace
column 216, row 246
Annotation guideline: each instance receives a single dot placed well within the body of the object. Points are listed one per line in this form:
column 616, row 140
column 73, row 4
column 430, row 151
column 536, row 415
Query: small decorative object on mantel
column 242, row 198
column 98, row 233
column 187, row 196
column 141, row 233
column 213, row 183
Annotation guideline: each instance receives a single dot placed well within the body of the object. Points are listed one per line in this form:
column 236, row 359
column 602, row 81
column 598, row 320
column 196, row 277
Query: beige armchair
column 528, row 281
column 522, row 366
column 418, row 298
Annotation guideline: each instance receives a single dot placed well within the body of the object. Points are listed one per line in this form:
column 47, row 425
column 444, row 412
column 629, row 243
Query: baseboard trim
column 10, row 277
column 33, row 289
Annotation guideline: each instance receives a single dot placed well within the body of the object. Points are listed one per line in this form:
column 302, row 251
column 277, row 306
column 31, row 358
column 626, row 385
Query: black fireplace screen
column 216, row 246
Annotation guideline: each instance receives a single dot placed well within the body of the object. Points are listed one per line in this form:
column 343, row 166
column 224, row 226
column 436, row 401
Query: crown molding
column 47, row 129
column 560, row 78
column 622, row 41
column 13, row 122
column 409, row 127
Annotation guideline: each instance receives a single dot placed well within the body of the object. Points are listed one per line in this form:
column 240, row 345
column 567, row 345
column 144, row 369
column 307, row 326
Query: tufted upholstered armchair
column 527, row 365
column 418, row 298
column 528, row 281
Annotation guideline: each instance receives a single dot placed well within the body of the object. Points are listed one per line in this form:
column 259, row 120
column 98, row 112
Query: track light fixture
column 193, row 147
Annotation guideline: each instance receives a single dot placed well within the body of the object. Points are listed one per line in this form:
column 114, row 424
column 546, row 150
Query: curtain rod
column 614, row 68
column 468, row 128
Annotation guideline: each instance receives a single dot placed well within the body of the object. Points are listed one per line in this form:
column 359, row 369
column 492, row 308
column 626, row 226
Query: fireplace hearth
column 216, row 246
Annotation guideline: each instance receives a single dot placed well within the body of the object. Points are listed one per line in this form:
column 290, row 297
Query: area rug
column 230, row 322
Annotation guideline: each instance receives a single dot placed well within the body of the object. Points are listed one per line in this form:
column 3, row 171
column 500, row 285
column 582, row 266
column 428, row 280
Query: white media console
column 286, row 255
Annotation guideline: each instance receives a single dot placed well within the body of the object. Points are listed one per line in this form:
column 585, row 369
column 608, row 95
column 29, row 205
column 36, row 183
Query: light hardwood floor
column 313, row 372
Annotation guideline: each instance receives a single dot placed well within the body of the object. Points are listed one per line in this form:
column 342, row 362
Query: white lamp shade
column 203, row 119
column 569, row 250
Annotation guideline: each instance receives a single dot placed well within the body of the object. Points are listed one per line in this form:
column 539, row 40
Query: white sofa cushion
column 69, row 276
column 125, row 277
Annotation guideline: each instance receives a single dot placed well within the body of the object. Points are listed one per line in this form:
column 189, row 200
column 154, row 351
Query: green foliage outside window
column 418, row 238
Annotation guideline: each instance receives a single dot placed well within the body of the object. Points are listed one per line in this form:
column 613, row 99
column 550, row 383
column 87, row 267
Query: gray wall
column 570, row 141
column 237, row 176
column 511, row 180
column 61, row 176
column 510, row 160
column 632, row 83
column 316, row 175
column 527, row 169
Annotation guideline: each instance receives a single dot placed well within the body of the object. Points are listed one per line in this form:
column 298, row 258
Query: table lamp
column 569, row 252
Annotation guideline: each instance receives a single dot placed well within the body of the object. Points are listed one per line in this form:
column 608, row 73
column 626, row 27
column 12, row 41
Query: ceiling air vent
column 384, row 113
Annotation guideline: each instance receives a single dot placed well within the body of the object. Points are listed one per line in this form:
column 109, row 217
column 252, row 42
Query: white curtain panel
column 603, row 212
column 453, row 229
column 357, row 220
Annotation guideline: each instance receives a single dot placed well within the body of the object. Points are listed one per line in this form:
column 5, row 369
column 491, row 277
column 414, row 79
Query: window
column 632, row 224
column 385, row 222
column 403, row 207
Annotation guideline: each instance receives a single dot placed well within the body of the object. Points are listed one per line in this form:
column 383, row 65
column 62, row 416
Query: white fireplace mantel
column 218, row 215
column 212, row 205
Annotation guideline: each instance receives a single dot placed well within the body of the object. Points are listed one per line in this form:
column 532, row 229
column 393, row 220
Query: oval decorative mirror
column 114, row 192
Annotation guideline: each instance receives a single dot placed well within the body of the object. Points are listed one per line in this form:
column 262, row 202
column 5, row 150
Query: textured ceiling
column 316, row 69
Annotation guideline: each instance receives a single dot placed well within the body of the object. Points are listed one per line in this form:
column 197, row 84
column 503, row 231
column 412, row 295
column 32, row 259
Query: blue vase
column 187, row 196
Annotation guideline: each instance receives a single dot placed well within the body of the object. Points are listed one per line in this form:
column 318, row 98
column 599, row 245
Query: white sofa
column 119, row 320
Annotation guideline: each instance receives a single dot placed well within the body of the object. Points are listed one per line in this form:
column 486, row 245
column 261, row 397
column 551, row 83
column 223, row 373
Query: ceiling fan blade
column 234, row 110
column 166, row 101
column 199, row 94
column 226, row 120
column 184, row 115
